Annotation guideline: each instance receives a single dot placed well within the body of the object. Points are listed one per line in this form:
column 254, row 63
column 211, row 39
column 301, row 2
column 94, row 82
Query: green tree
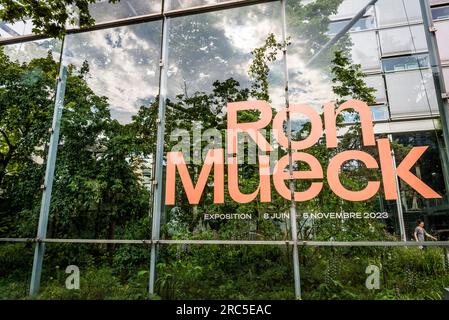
column 26, row 104
column 49, row 18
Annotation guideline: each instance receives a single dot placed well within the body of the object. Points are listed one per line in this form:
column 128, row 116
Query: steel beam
column 342, row 32
column 159, row 163
column 293, row 223
column 48, row 182
column 143, row 18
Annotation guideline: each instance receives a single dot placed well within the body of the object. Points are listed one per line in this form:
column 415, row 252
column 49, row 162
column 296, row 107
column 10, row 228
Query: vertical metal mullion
column 159, row 167
column 439, row 83
column 294, row 232
column 48, row 182
column 399, row 200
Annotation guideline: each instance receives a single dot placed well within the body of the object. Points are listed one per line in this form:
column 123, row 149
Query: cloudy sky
column 203, row 48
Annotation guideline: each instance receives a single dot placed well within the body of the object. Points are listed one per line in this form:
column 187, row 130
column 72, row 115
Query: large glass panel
column 365, row 50
column 27, row 81
column 215, row 58
column 403, row 40
column 393, row 12
column 411, row 93
column 20, row 28
column 428, row 169
column 350, row 8
column 27, row 51
column 108, row 135
column 319, row 80
column 103, row 11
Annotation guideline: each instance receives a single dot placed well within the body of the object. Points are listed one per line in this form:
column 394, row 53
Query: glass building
column 151, row 74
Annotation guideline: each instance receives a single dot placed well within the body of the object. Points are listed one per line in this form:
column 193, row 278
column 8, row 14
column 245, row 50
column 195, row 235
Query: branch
column 8, row 142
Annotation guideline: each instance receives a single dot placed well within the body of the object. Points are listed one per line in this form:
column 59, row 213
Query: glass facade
column 167, row 68
column 102, row 11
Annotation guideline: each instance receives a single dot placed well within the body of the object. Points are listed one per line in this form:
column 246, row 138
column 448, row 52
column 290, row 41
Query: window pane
column 362, row 24
column 211, row 59
column 27, row 51
column 103, row 11
column 108, row 135
column 429, row 170
column 380, row 113
column 410, row 95
column 377, row 82
column 365, row 50
column 392, row 12
column 403, row 40
column 317, row 82
column 405, row 63
column 199, row 57
column 20, row 28
column 440, row 12
column 27, row 81
column 350, row 8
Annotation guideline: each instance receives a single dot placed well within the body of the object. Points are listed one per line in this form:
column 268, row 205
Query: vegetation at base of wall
column 233, row 272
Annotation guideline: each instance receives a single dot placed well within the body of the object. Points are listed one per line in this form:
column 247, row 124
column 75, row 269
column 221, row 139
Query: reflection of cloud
column 27, row 51
column 219, row 45
column 248, row 32
column 223, row 49
column 123, row 65
column 308, row 85
column 103, row 11
column 18, row 28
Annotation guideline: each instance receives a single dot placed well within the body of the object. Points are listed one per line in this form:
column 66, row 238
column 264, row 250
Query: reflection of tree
column 428, row 169
column 97, row 157
column 49, row 18
column 92, row 193
column 26, row 93
column 309, row 23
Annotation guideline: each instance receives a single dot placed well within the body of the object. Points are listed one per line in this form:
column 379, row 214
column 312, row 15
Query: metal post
column 342, row 32
column 159, row 167
column 48, row 182
column 294, row 232
column 399, row 200
column 437, row 74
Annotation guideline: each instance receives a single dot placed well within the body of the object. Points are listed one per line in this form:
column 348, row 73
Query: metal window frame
column 299, row 243
column 144, row 18
column 40, row 240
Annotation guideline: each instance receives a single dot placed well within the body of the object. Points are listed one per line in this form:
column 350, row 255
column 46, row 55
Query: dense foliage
column 99, row 190
column 49, row 18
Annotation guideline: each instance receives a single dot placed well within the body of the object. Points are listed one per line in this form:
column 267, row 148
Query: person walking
column 420, row 233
